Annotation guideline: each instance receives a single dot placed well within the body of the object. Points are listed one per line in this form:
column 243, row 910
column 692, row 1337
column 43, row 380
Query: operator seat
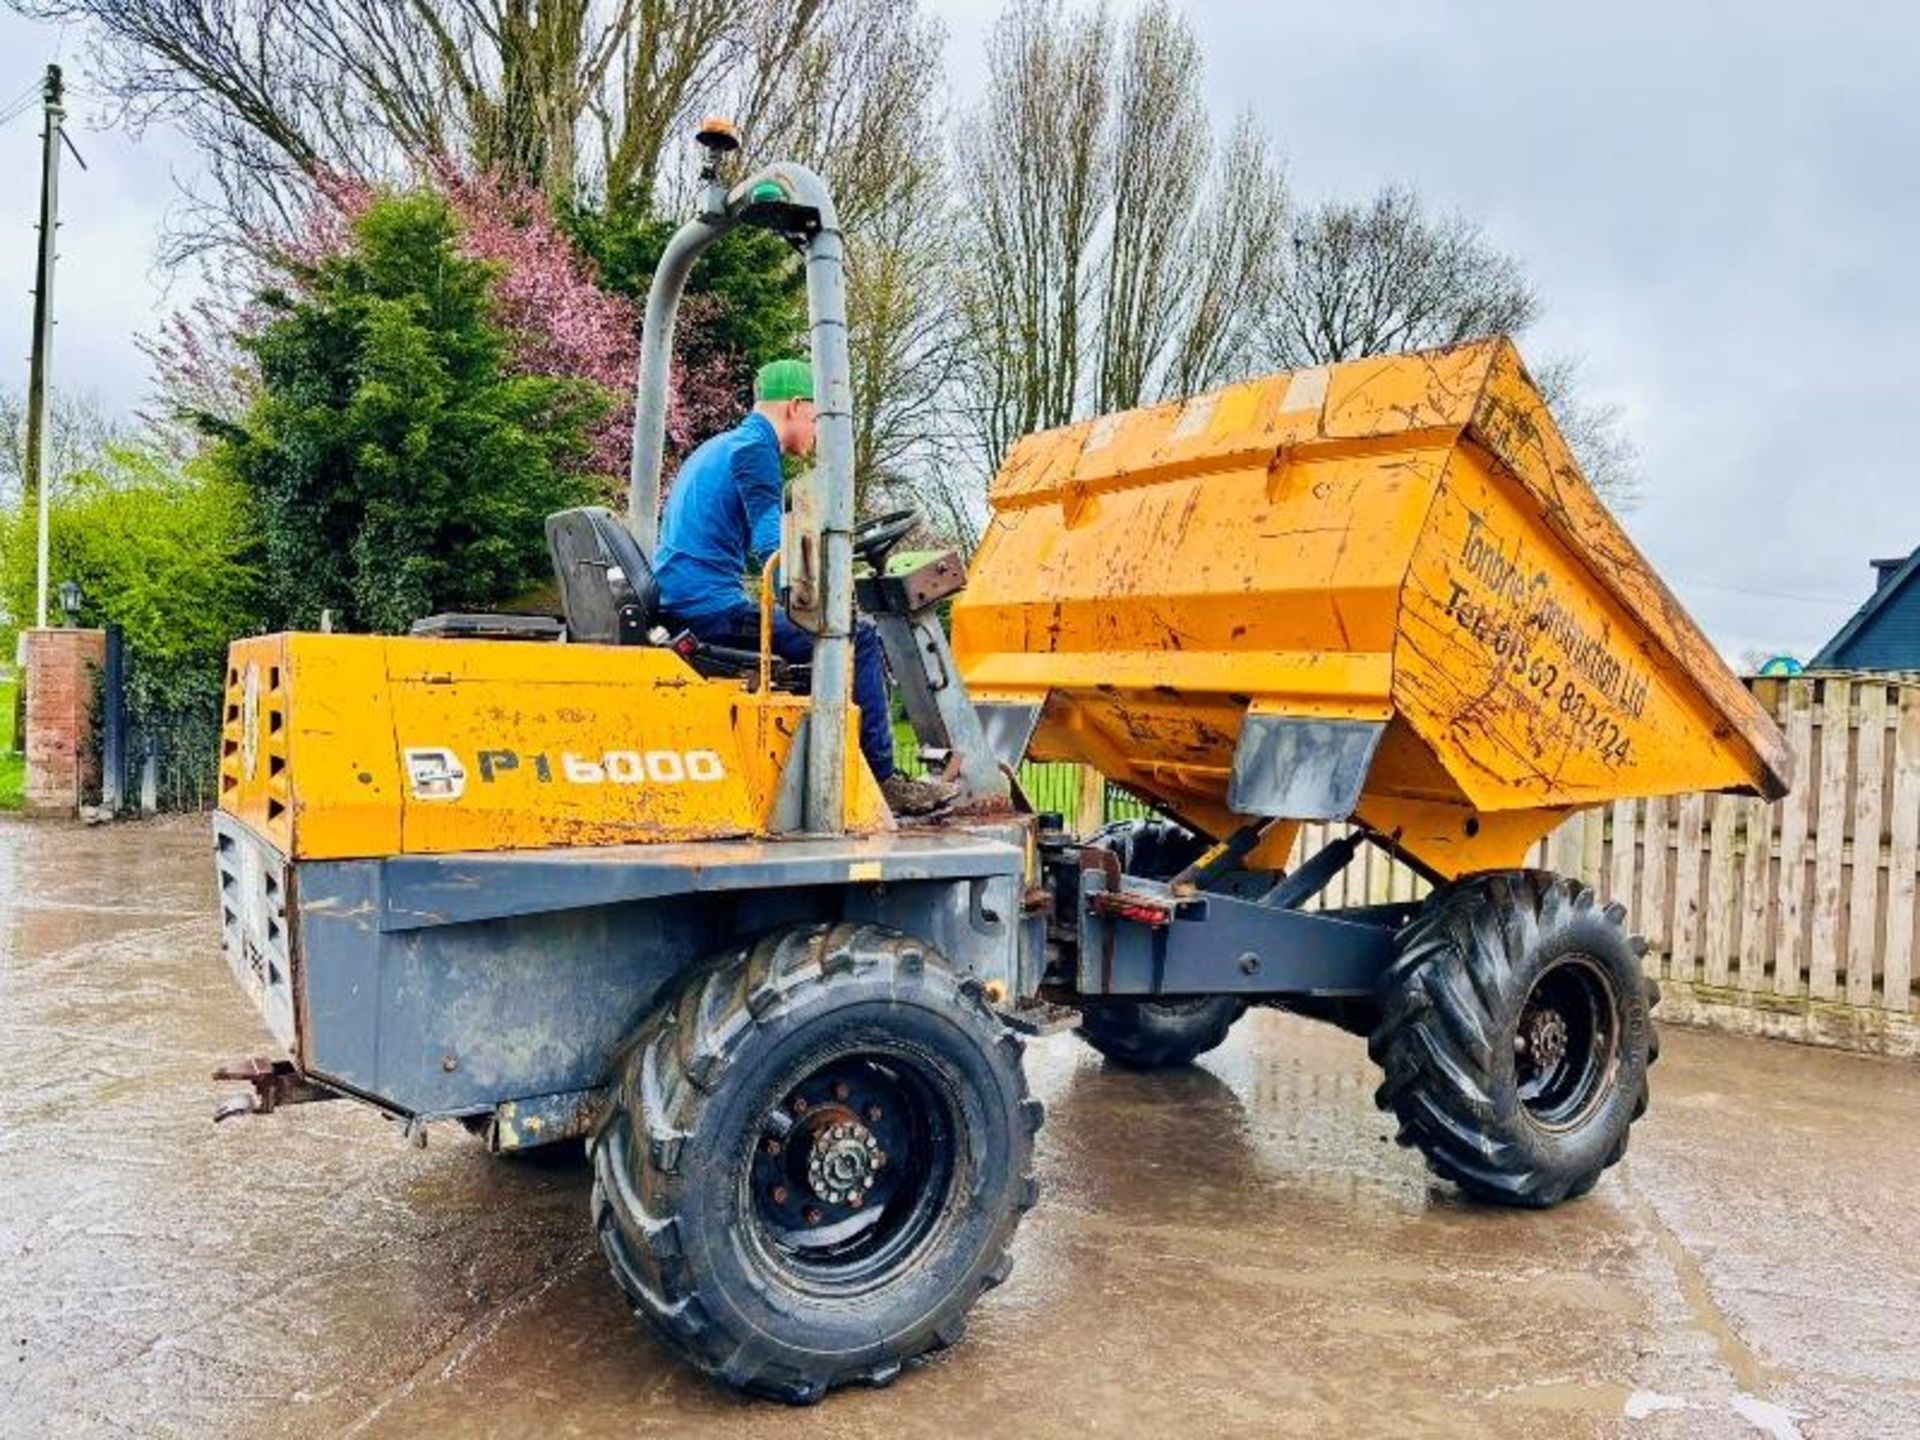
column 607, row 588
column 610, row 596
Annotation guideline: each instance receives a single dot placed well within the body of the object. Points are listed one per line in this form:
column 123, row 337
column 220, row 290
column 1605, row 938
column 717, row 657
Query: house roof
column 1889, row 586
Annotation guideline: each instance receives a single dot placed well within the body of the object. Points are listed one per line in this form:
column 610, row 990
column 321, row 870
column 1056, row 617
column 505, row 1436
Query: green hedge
column 167, row 553
column 13, row 768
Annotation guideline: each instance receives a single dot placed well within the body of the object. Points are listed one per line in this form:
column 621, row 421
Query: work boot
column 908, row 796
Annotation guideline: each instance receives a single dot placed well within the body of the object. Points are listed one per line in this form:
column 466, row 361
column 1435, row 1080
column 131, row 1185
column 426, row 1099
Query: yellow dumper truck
column 586, row 878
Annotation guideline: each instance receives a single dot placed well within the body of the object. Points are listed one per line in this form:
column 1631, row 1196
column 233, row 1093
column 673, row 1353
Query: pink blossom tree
column 560, row 323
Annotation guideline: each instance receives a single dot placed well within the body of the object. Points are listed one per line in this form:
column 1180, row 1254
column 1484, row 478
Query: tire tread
column 1435, row 1037
column 679, row 1060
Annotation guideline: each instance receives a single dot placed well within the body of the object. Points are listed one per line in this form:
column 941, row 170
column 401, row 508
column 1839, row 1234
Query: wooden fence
column 1795, row 919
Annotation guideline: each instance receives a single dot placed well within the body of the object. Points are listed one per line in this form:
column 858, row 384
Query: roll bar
column 817, row 536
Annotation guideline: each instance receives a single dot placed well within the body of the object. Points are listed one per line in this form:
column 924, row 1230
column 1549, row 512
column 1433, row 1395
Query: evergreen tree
column 398, row 465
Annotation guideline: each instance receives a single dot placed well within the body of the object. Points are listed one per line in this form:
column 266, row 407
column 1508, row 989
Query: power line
column 20, row 104
column 1851, row 601
column 31, row 89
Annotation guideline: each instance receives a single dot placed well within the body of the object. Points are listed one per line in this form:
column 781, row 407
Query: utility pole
column 37, row 428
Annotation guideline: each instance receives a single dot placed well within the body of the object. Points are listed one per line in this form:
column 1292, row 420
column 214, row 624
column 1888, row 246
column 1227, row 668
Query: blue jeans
column 741, row 631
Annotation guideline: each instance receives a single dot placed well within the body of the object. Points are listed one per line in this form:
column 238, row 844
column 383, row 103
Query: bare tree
column 679, row 57
column 79, row 434
column 1231, row 252
column 572, row 96
column 1596, row 432
column 900, row 323
column 1159, row 142
column 1384, row 276
column 1115, row 256
column 1033, row 165
column 863, row 104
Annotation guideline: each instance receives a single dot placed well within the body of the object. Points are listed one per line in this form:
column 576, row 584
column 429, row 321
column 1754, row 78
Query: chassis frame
column 497, row 988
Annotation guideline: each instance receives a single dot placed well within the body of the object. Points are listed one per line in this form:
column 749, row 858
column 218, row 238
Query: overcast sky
column 1719, row 203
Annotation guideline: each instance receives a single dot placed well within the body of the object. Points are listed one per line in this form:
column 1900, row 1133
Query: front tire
column 1515, row 1035
column 815, row 1158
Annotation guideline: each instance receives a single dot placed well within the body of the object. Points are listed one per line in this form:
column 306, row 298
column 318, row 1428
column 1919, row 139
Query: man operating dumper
column 722, row 522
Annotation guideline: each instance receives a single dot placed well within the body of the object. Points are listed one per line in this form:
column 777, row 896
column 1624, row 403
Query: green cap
column 784, row 380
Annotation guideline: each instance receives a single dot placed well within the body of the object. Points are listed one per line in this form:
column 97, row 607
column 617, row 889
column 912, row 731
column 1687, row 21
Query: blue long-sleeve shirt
column 721, row 523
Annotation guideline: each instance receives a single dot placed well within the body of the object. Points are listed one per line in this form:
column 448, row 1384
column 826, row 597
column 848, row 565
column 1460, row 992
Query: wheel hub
column 1567, row 1042
column 845, row 1158
column 847, row 1173
column 1544, row 1038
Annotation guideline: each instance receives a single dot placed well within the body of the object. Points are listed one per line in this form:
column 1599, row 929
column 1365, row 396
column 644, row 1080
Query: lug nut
column 879, row 1158
column 874, row 1113
column 813, row 1216
column 840, row 1091
column 857, row 1199
column 773, row 1147
column 779, row 1194
column 799, row 1104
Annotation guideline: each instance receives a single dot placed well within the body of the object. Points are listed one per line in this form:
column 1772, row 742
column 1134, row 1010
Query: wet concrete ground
column 1236, row 1249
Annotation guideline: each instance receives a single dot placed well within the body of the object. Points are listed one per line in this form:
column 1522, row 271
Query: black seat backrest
column 606, row 585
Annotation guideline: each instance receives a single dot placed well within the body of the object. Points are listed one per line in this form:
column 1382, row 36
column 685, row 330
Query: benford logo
column 434, row 773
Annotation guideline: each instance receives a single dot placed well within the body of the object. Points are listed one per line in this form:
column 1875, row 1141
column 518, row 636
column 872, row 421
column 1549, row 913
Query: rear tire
column 816, row 1154
column 1515, row 1035
column 1156, row 1034
column 1157, row 849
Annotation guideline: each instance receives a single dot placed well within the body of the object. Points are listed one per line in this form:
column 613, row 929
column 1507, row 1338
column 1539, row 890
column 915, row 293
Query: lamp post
column 71, row 599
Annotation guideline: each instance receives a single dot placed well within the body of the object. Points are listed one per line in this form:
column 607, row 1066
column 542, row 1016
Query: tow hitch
column 275, row 1083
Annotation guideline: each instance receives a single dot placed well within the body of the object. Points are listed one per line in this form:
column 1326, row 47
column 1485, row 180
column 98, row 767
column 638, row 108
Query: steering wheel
column 872, row 539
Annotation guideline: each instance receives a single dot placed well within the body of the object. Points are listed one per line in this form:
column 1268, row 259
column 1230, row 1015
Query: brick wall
column 61, row 771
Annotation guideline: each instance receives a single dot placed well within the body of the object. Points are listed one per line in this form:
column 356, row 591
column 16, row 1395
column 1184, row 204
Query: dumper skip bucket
column 1379, row 590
